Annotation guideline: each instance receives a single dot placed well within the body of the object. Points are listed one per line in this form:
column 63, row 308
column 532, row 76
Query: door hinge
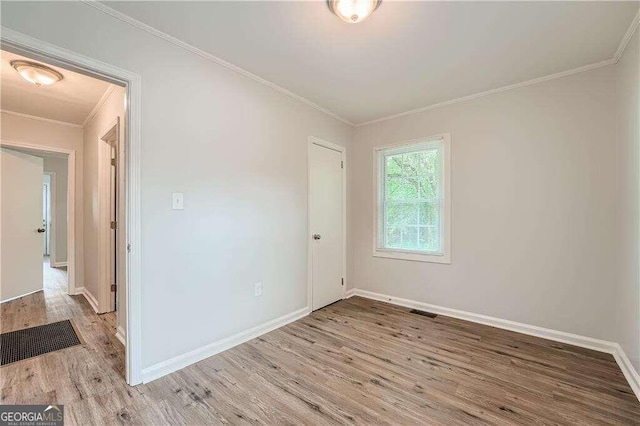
column 114, row 224
column 342, row 164
column 128, row 248
column 113, row 287
column 113, row 161
column 343, row 281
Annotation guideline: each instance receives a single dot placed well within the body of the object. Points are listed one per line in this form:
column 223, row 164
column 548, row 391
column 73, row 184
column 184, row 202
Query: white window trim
column 378, row 196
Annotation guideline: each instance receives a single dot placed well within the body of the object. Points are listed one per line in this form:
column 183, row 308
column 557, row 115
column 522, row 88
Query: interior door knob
column 316, row 236
column 40, row 230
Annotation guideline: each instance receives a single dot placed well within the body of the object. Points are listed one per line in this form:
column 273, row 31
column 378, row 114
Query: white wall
column 628, row 131
column 58, row 230
column 112, row 108
column 38, row 132
column 238, row 151
column 534, row 238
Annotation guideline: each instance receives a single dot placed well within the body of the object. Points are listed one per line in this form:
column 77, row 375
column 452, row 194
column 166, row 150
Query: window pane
column 428, row 187
column 399, row 188
column 405, row 237
column 412, row 200
column 394, row 238
column 402, row 214
column 429, row 213
column 429, row 161
column 410, row 238
column 429, row 238
column 412, row 164
column 394, row 165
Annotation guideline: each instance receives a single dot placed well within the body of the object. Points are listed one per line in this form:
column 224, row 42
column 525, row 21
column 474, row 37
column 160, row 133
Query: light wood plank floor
column 355, row 362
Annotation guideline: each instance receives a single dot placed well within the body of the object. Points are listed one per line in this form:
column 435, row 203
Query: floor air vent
column 424, row 313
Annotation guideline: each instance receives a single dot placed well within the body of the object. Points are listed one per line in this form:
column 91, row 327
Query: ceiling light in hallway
column 38, row 74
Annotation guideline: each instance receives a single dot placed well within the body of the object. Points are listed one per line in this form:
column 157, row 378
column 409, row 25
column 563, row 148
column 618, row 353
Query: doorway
column 130, row 205
column 327, row 220
column 19, row 227
column 22, row 207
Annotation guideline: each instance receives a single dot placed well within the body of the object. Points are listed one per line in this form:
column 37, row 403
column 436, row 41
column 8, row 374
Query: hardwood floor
column 75, row 373
column 355, row 362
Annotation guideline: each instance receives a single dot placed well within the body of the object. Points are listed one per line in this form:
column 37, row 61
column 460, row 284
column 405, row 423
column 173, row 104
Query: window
column 413, row 201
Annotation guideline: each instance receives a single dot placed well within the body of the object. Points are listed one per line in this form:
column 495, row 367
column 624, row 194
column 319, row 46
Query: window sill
column 413, row 256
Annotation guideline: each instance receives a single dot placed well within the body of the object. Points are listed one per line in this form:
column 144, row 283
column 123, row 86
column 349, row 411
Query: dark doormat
column 30, row 342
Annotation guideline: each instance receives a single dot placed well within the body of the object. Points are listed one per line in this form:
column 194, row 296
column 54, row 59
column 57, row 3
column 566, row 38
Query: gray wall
column 236, row 148
column 628, row 134
column 58, row 166
column 534, row 238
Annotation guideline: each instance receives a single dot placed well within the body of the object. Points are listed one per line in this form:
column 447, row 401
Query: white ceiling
column 70, row 100
column 407, row 55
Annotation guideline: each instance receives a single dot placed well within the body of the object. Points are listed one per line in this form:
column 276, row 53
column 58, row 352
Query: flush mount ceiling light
column 35, row 73
column 353, row 11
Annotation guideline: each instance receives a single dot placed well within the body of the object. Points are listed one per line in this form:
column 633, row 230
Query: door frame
column 73, row 267
column 51, row 241
column 105, row 254
column 39, row 50
column 343, row 151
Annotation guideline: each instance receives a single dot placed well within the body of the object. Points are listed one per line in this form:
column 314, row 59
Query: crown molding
column 614, row 60
column 166, row 37
column 492, row 91
column 96, row 109
column 627, row 37
column 635, row 23
column 35, row 117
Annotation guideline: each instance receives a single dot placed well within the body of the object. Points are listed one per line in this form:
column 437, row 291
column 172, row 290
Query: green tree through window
column 412, row 199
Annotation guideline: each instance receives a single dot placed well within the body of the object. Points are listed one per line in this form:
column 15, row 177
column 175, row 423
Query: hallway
column 71, row 374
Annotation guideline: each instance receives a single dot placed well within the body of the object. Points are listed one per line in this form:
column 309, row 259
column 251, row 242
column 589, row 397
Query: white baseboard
column 18, row 297
column 559, row 336
column 121, row 335
column 628, row 370
column 350, row 293
column 545, row 333
column 90, row 298
column 181, row 361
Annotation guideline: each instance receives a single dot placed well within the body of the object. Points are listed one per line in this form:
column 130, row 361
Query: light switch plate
column 178, row 201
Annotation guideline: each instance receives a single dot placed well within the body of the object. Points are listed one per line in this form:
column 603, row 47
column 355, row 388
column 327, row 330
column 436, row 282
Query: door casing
column 51, row 228
column 109, row 252
column 46, row 212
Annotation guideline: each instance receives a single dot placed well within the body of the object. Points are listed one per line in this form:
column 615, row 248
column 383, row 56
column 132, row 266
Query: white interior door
column 326, row 225
column 21, row 239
